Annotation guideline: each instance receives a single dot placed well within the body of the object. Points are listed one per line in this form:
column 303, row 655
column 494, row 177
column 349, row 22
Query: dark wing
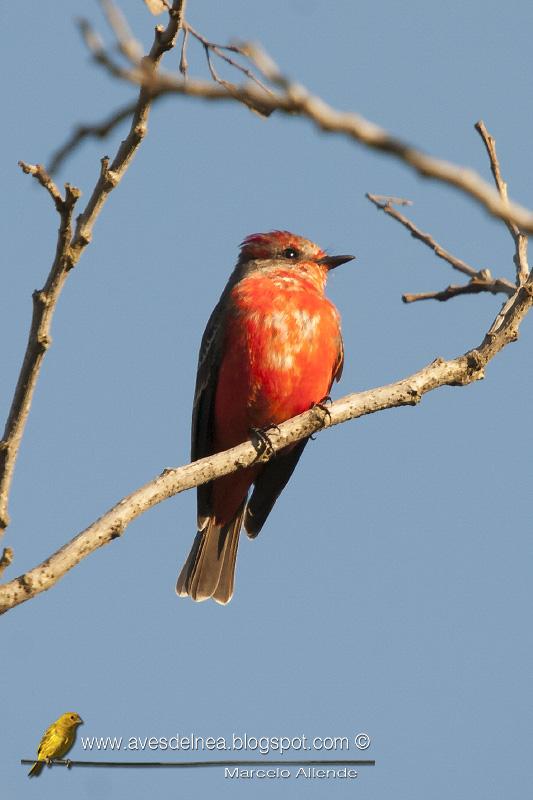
column 202, row 429
column 268, row 486
column 339, row 364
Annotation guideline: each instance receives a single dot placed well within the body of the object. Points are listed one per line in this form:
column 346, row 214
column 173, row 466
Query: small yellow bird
column 57, row 740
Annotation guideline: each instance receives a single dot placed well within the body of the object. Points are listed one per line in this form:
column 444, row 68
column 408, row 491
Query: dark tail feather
column 224, row 590
column 210, row 568
column 35, row 770
column 268, row 486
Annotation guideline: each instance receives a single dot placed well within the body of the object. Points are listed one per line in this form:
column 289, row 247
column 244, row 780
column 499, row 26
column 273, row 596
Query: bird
column 57, row 740
column 271, row 350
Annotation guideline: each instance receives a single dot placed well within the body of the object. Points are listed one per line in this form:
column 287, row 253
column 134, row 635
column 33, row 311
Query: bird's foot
column 261, row 441
column 68, row 762
column 322, row 412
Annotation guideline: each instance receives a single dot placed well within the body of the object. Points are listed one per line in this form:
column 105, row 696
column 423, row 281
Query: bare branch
column 110, row 176
column 211, row 48
column 381, row 200
column 475, row 286
column 6, row 559
column 69, row 249
column 126, row 42
column 480, row 280
column 98, row 131
column 184, row 64
column 520, row 239
column 295, row 100
column 95, row 45
column 157, row 6
column 40, row 174
column 384, row 203
column 39, row 338
column 459, row 371
column 232, row 48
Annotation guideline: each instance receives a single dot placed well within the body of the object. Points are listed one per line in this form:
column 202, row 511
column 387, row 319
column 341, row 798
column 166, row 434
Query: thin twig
column 459, row 371
column 231, row 88
column 266, row 65
column 157, row 6
column 126, row 42
column 386, row 199
column 384, row 203
column 98, row 131
column 214, row 74
column 520, row 239
column 6, row 559
column 41, row 175
column 480, row 280
column 475, row 286
column 231, row 48
column 184, row 64
column 295, row 100
column 95, row 45
column 69, row 249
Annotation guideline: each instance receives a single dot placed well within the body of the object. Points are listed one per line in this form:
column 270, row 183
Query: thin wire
column 202, row 764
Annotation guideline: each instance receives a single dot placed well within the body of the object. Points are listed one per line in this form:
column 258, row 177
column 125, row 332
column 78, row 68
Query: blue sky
column 389, row 592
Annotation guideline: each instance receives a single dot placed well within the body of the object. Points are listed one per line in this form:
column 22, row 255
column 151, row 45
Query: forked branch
column 519, row 238
column 480, row 280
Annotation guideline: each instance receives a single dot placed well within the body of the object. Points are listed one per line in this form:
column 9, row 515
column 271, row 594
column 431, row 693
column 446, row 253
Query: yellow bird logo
column 57, row 740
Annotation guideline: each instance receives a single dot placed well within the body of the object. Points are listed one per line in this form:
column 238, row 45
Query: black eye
column 290, row 252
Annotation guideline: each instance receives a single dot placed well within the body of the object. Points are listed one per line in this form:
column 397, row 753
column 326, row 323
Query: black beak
column 334, row 261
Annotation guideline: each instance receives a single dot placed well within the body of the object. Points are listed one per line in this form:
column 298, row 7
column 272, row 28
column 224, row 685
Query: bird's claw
column 260, row 440
column 323, row 408
column 68, row 762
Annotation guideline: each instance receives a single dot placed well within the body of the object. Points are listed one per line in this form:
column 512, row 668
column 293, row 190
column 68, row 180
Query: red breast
column 282, row 343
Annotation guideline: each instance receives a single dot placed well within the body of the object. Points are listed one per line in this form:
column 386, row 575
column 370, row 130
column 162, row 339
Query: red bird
column 270, row 351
